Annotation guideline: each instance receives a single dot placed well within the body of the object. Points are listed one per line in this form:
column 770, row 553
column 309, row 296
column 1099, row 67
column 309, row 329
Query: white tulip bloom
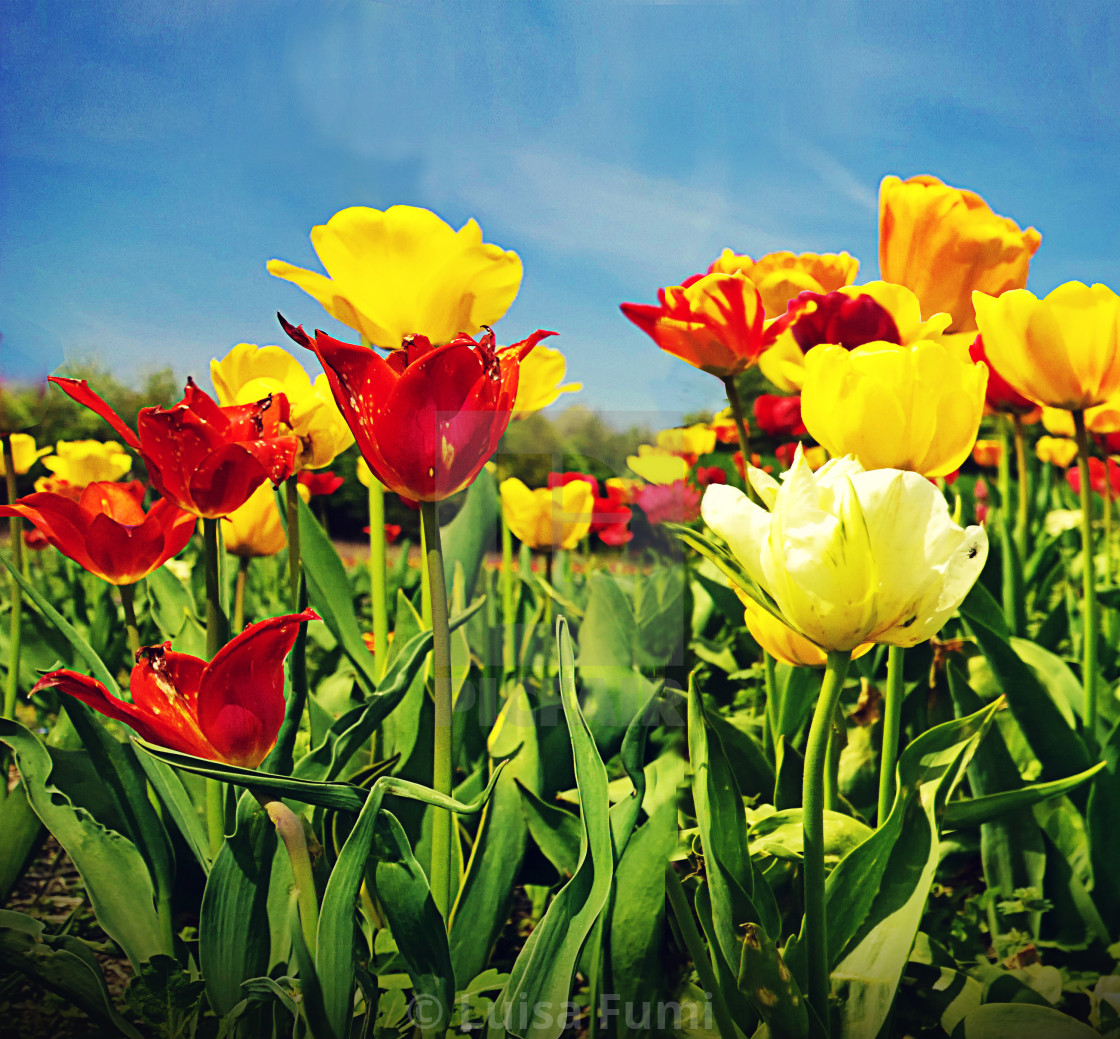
column 851, row 555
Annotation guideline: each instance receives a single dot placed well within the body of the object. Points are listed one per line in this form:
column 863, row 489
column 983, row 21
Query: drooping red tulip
column 426, row 418
column 228, row 709
column 106, row 530
column 204, row 458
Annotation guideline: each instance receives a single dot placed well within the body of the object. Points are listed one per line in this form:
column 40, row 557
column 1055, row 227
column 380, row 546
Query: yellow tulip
column 896, row 316
column 691, row 441
column 656, row 465
column 943, row 243
column 402, row 271
column 781, row 276
column 1062, row 351
column 538, row 384
column 255, row 529
column 780, row 640
column 1059, row 451
column 987, row 453
column 364, row 475
column 250, row 373
column 1104, row 418
column 548, row 517
column 851, row 556
column 24, row 453
column 895, row 407
column 78, row 463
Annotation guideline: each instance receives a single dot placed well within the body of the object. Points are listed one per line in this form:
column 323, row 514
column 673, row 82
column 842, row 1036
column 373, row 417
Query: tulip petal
column 92, row 692
column 78, row 389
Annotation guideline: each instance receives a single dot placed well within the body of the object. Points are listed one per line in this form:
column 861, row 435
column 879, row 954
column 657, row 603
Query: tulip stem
column 239, row 593
column 128, row 604
column 740, row 424
column 892, row 716
column 1022, row 514
column 379, row 604
column 507, row 597
column 442, row 870
column 216, row 637
column 815, row 926
column 289, row 828
column 690, row 935
column 291, row 492
column 1088, row 575
column 15, row 542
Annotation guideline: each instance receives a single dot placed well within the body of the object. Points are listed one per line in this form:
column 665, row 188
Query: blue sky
column 155, row 155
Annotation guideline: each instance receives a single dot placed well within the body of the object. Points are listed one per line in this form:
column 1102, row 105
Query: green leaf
column 170, row 601
column 555, row 831
column 113, row 871
column 1021, row 1020
column 61, row 964
column 973, row 811
column 543, row 971
column 768, row 983
column 23, row 834
column 175, row 799
column 782, row 835
column 471, row 534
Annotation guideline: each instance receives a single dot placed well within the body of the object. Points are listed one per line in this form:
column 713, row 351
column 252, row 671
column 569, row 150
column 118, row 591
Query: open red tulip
column 228, row 709
column 205, row 458
column 106, row 530
column 426, row 418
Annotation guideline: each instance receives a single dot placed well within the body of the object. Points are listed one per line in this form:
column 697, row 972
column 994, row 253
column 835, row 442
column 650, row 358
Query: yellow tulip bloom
column 255, row 529
column 691, row 441
column 24, row 453
column 1062, row 351
column 1104, row 418
column 78, row 463
column 943, row 243
column 1059, row 451
column 548, row 517
column 895, row 407
column 987, row 453
column 250, row 373
column 405, row 271
column 781, row 276
column 851, row 556
column 656, row 465
column 538, row 383
column 780, row 640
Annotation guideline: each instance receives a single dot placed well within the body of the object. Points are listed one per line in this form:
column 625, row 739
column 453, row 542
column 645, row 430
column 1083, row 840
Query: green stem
column 1108, row 534
column 690, row 935
column 291, row 491
column 1022, row 514
column 815, row 927
column 216, row 636
column 443, row 869
column 128, row 604
column 508, row 625
column 15, row 541
column 892, row 714
column 740, row 424
column 289, row 828
column 425, row 579
column 239, row 593
column 379, row 604
column 770, row 716
column 1089, row 605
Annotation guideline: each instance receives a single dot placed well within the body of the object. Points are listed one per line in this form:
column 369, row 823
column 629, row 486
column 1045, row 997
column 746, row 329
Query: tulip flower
column 427, row 418
column 851, row 556
column 780, row 640
column 24, row 454
column 622, row 488
column 255, row 530
column 815, row 456
column 563, row 479
column 1000, row 396
column 849, row 317
column 250, row 373
column 1062, row 351
column 690, row 442
column 78, row 463
column 228, row 709
column 942, row 243
column 404, row 271
column 204, row 458
column 712, row 321
column 987, row 453
column 658, row 466
column 895, row 407
column 1059, row 451
column 539, row 383
column 106, row 530
column 705, row 475
column 1102, row 420
column 319, row 483
column 723, row 425
column 781, row 276
column 610, row 517
column 779, row 417
column 677, row 502
column 548, row 517
column 1104, row 478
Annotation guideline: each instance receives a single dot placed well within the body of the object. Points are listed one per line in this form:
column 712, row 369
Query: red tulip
column 204, row 458
column 321, row 482
column 426, row 418
column 779, row 417
column 669, row 503
column 706, row 475
column 814, row 318
column 106, row 530
column 563, row 479
column 1104, row 478
column 229, row 709
column 999, row 396
column 610, row 517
